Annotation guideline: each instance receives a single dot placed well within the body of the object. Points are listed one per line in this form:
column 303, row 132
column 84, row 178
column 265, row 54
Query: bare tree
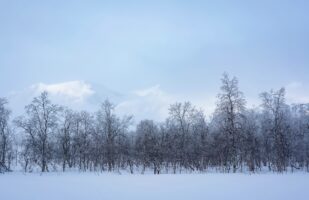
column 5, row 137
column 83, row 130
column 229, row 116
column 65, row 138
column 186, row 123
column 39, row 125
column 109, row 129
column 277, row 127
column 146, row 144
column 251, row 141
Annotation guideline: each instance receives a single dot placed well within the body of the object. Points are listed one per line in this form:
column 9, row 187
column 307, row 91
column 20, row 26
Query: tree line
column 48, row 137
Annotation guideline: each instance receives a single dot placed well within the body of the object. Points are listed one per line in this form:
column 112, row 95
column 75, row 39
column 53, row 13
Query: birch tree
column 39, row 125
column 5, row 137
column 229, row 116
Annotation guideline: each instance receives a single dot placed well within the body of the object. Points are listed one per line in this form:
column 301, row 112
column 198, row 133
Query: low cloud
column 149, row 103
column 76, row 91
column 73, row 94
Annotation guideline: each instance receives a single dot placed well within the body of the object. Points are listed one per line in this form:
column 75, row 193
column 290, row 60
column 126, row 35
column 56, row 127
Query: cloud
column 153, row 103
column 74, row 94
column 296, row 92
column 149, row 103
column 155, row 91
column 207, row 104
column 76, row 91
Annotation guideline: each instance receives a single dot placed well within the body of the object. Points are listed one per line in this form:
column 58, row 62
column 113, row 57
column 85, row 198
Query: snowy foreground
column 76, row 186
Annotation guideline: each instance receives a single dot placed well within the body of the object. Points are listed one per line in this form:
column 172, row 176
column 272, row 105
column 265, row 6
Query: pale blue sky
column 183, row 46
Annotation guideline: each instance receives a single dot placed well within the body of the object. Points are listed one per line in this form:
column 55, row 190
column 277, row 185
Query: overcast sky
column 145, row 55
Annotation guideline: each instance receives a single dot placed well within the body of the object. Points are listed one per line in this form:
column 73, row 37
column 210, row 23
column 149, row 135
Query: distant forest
column 50, row 137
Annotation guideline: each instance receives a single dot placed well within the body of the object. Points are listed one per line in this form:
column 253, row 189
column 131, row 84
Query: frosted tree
column 39, row 125
column 65, row 138
column 147, row 134
column 109, row 128
column 186, row 123
column 276, row 127
column 300, row 138
column 229, row 116
column 6, row 151
column 250, row 152
column 83, row 129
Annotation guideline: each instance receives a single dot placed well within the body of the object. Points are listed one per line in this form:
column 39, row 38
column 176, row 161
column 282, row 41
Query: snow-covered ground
column 102, row 186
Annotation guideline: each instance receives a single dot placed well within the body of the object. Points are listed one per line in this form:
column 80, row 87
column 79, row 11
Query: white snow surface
column 104, row 186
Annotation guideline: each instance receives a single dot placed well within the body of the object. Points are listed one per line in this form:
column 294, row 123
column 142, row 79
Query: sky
column 145, row 55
